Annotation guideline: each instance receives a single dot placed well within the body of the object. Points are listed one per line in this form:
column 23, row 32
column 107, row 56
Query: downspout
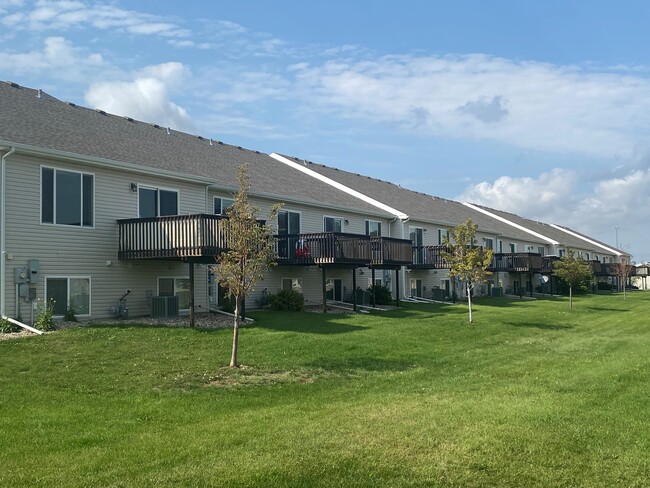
column 403, row 270
column 3, row 236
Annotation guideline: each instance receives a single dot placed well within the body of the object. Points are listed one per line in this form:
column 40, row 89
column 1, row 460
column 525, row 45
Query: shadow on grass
column 608, row 309
column 539, row 325
column 307, row 326
column 361, row 364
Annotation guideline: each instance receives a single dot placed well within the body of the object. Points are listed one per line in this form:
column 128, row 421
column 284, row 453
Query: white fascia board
column 108, row 163
column 339, row 186
column 593, row 243
column 512, row 224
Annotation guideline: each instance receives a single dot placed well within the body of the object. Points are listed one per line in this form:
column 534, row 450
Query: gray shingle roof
column 419, row 206
column 563, row 238
column 49, row 123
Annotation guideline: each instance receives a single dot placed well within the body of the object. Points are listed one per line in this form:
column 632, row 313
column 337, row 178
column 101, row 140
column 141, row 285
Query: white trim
column 335, row 218
column 339, row 186
column 68, row 278
column 158, row 189
column 593, row 243
column 81, row 206
column 510, row 223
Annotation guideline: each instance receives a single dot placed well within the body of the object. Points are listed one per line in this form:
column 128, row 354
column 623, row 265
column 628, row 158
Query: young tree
column 466, row 260
column 251, row 251
column 623, row 270
column 572, row 270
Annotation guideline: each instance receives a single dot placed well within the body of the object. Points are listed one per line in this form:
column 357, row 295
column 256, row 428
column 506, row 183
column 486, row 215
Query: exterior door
column 416, row 287
column 417, row 238
column 289, row 227
column 334, row 290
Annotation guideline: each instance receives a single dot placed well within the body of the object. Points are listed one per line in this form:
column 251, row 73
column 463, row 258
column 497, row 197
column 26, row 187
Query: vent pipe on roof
column 39, row 93
column 169, row 130
column 211, row 141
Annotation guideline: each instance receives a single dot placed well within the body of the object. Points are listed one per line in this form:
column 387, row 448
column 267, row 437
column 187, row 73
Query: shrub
column 287, row 301
column 70, row 314
column 603, row 285
column 382, row 294
column 7, row 327
column 45, row 319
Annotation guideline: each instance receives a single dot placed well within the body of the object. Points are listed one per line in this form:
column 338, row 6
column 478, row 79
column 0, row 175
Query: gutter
column 3, row 233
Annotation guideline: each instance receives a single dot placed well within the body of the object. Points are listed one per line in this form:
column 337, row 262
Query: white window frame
column 68, row 278
column 335, row 218
column 366, row 227
column 296, row 279
column 222, row 211
column 158, row 189
column 171, row 278
column 40, row 210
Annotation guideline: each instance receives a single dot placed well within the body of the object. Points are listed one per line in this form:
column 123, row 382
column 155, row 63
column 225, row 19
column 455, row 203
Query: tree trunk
column 469, row 302
column 235, row 335
column 570, row 296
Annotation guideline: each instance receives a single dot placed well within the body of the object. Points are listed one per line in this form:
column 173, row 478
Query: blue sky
column 539, row 108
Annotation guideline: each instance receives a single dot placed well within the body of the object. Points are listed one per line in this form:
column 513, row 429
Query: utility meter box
column 34, row 270
column 20, row 275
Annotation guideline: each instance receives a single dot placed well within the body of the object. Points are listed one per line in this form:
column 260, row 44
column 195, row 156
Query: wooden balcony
column 388, row 252
column 428, row 257
column 520, row 262
column 178, row 237
column 325, row 248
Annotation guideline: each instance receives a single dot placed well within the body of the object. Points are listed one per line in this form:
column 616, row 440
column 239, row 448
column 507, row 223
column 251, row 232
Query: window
column 587, row 256
column 68, row 292
column 222, row 204
column 442, row 233
column 292, row 284
column 288, row 222
column 67, row 197
column 332, row 224
column 373, row 228
column 561, row 251
column 180, row 287
column 541, row 250
column 513, row 247
column 500, row 246
column 155, row 202
column 489, row 243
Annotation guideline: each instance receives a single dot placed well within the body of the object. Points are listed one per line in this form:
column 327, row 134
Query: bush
column 7, row 327
column 287, row 301
column 70, row 314
column 382, row 294
column 45, row 319
column 603, row 285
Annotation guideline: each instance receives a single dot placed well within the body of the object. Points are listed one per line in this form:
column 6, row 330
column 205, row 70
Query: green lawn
column 531, row 394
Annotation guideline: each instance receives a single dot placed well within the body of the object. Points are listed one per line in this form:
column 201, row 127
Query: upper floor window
column 67, row 197
column 332, row 224
column 442, row 233
column 489, row 243
column 156, row 202
column 541, row 250
column 513, row 247
column 222, row 204
column 373, row 228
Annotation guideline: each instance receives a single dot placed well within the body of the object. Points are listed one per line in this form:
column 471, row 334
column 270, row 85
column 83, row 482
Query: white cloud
column 561, row 197
column 63, row 15
column 479, row 97
column 146, row 98
column 58, row 57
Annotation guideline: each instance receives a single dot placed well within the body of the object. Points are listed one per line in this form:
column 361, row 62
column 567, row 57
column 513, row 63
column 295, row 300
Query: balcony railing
column 387, row 251
column 522, row 262
column 173, row 237
column 323, row 248
column 428, row 257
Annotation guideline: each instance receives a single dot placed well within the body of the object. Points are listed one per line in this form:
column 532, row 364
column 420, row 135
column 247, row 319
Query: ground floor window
column 180, row 287
column 68, row 292
column 292, row 284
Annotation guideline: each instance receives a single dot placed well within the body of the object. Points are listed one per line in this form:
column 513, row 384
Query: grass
column 532, row 394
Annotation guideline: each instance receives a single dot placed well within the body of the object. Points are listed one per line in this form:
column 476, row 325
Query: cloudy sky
column 539, row 108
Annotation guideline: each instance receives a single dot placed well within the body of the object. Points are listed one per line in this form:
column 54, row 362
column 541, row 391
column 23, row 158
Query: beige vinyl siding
column 73, row 251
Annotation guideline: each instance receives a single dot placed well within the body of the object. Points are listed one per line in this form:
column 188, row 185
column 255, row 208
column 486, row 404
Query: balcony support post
column 354, row 288
column 397, row 286
column 191, row 276
column 324, row 275
column 374, row 295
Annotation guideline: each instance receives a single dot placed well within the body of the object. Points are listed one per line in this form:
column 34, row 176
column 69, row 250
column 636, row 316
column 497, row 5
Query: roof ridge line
column 340, row 186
